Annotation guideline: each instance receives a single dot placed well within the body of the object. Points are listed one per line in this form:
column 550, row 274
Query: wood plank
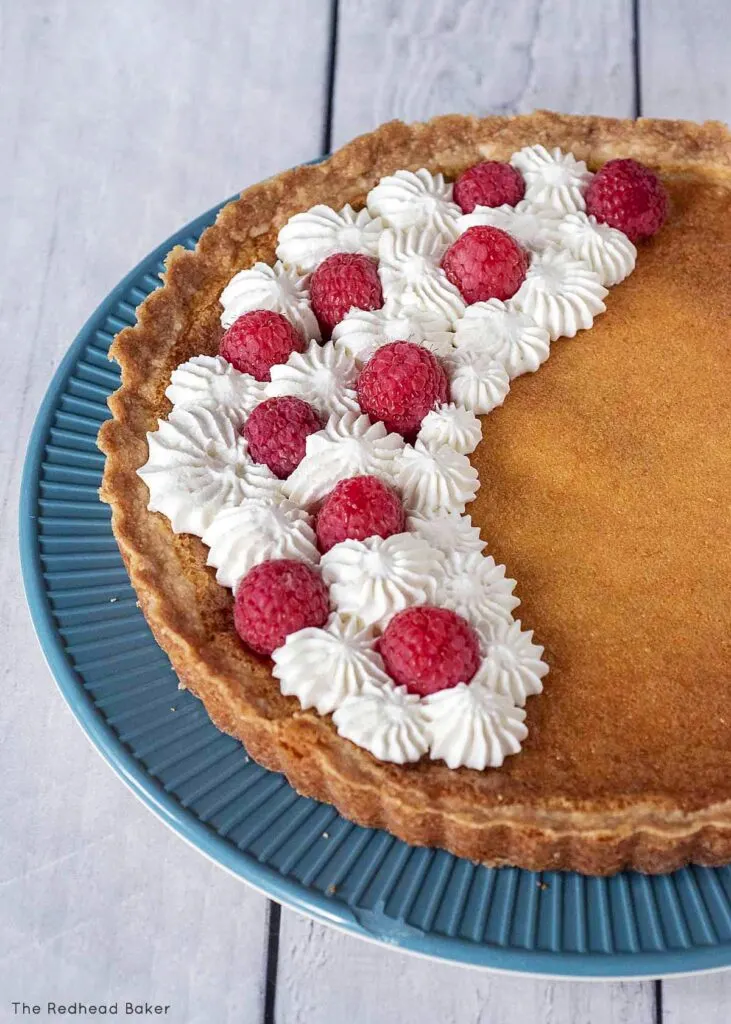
column 413, row 60
column 327, row 976
column 118, row 123
column 686, row 73
column 685, row 70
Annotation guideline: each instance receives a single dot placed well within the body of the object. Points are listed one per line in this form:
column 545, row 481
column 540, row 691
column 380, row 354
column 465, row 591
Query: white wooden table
column 119, row 121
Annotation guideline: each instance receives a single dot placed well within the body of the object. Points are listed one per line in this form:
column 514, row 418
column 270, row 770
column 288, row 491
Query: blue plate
column 120, row 686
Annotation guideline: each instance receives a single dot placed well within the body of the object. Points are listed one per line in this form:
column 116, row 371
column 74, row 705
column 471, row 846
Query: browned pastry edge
column 594, row 836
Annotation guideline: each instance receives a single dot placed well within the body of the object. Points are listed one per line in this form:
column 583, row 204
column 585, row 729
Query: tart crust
column 550, row 807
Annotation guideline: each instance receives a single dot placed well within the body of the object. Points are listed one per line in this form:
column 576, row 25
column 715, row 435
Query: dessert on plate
column 421, row 469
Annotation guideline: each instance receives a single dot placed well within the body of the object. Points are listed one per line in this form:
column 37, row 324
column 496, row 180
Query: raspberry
column 276, row 433
column 427, row 649
column 628, row 196
column 340, row 282
column 355, row 509
column 488, row 184
column 277, row 598
column 259, row 339
column 485, row 263
column 400, row 384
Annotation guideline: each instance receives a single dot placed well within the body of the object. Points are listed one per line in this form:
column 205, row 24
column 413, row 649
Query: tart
column 605, row 484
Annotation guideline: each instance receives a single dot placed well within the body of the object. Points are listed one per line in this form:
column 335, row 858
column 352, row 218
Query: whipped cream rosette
column 476, row 587
column 411, row 273
column 409, row 199
column 451, row 425
column 435, row 480
column 310, row 237
column 513, row 665
column 374, row 579
column 323, row 376
column 608, row 252
column 323, row 667
column 280, row 289
column 387, row 721
column 363, row 331
column 473, row 726
column 560, row 293
column 448, row 532
column 553, row 178
column 197, row 465
column 254, row 531
column 504, row 334
column 536, row 227
column 213, row 382
column 478, row 381
column 349, row 445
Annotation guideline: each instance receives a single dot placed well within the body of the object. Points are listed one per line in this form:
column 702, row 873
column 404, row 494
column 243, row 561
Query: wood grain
column 118, row 122
column 326, row 976
column 685, row 67
column 416, row 59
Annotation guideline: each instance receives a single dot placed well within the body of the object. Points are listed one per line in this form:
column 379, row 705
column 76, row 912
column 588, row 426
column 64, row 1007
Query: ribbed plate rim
column 588, row 966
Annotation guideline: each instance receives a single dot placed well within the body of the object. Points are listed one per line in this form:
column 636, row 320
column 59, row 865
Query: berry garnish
column 341, row 282
column 276, row 432
column 427, row 649
column 277, row 598
column 257, row 340
column 629, row 196
column 488, row 184
column 485, row 263
column 355, row 509
column 400, row 384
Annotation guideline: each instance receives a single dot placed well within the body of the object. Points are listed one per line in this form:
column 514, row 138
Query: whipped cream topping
column 477, row 380
column 256, row 531
column 560, row 293
column 212, row 381
column 411, row 273
column 505, row 334
column 278, row 288
column 449, row 532
column 513, row 665
column 409, row 199
column 323, row 667
column 310, row 237
column 362, row 332
column 350, row 445
column 472, row 726
column 534, row 226
column 452, row 425
column 387, row 721
column 553, row 178
column 323, row 375
column 197, row 465
column 375, row 578
column 476, row 588
column 435, row 480
column 608, row 251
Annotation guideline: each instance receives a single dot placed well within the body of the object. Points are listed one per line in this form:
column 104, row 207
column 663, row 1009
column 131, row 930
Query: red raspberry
column 276, row 433
column 485, row 263
column 488, row 184
column 360, row 507
column 629, row 196
column 427, row 649
column 259, row 339
column 400, row 384
column 277, row 598
column 340, row 282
